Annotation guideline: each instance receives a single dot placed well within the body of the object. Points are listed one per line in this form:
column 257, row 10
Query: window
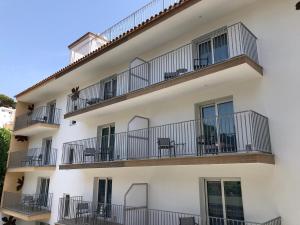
column 224, row 201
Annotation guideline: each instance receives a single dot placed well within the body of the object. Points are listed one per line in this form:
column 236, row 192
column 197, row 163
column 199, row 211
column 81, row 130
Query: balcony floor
column 190, row 160
column 36, row 129
column 86, row 220
column 31, row 169
column 20, row 213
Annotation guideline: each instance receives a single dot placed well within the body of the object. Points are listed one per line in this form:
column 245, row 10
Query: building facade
column 171, row 118
column 7, row 116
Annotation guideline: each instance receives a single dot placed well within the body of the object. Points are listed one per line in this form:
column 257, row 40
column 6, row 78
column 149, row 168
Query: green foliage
column 4, row 147
column 7, row 101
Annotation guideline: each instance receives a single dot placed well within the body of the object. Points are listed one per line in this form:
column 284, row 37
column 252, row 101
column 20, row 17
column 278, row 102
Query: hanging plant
column 75, row 93
column 20, row 183
column 9, row 221
column 21, row 138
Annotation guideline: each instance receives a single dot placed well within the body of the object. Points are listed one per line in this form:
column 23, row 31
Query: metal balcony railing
column 29, row 204
column 75, row 210
column 136, row 18
column 215, row 47
column 43, row 114
column 35, row 157
column 235, row 133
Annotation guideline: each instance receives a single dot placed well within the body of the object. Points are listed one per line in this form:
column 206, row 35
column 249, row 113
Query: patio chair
column 200, row 63
column 81, row 210
column 207, row 144
column 89, row 152
column 28, row 202
column 93, row 101
column 170, row 75
column 165, row 144
column 187, row 221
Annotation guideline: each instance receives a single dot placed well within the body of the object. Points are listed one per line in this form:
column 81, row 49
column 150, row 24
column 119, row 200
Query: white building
column 7, row 116
column 179, row 120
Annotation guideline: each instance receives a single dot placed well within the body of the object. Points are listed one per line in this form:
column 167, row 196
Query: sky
column 34, row 35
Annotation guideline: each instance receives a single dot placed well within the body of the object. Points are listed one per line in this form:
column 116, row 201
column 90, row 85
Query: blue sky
column 34, row 35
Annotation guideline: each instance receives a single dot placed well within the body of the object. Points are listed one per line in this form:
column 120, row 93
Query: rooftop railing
column 212, row 48
column 29, row 204
column 43, row 114
column 235, row 133
column 136, row 18
column 35, row 157
column 75, row 210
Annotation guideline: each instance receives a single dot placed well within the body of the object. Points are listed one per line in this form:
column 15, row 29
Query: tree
column 7, row 101
column 4, row 147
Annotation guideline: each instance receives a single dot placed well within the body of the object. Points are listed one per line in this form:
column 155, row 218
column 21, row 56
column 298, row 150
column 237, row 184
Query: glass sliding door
column 218, row 129
column 104, row 197
column 220, row 48
column 212, row 50
column 106, row 139
column 46, row 151
column 110, row 88
column 224, row 202
column 43, row 191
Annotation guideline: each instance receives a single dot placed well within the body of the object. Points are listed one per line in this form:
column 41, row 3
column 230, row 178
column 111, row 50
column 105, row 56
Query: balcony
column 28, row 207
column 77, row 211
column 41, row 119
column 228, row 54
column 242, row 137
column 35, row 159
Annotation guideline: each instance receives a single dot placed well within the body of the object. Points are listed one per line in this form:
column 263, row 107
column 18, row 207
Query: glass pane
column 105, row 144
column 114, row 87
column 233, row 201
column 209, row 136
column 107, row 90
column 205, row 54
column 109, row 191
column 220, row 48
column 101, row 191
column 226, row 127
column 214, row 199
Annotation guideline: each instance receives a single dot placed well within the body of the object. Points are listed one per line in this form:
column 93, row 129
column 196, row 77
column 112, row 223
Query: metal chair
column 200, row 63
column 93, row 101
column 207, row 144
column 187, row 221
column 28, row 201
column 166, row 144
column 89, row 152
column 81, row 209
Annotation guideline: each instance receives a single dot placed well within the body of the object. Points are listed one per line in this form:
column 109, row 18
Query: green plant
column 4, row 147
column 7, row 101
column 9, row 221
